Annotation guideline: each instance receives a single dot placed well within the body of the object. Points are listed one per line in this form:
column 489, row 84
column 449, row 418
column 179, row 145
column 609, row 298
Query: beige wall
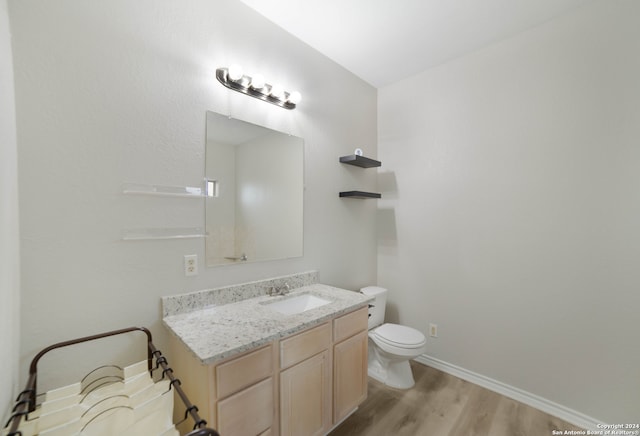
column 9, row 247
column 510, row 211
column 117, row 91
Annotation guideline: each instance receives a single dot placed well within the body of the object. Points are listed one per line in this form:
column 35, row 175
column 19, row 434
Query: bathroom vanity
column 286, row 365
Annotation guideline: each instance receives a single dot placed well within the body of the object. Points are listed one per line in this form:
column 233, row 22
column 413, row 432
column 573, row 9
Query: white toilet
column 391, row 346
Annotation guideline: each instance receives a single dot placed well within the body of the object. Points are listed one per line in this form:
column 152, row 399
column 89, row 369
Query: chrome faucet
column 282, row 290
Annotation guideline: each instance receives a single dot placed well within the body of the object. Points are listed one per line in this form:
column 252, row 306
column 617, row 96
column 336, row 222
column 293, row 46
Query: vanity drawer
column 350, row 324
column 244, row 371
column 249, row 412
column 303, row 345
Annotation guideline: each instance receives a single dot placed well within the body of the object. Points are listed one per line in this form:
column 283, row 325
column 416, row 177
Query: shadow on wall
column 388, row 185
column 392, row 314
column 386, row 227
column 386, row 230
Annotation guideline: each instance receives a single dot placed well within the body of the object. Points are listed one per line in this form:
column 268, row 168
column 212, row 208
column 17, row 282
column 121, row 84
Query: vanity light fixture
column 234, row 78
column 257, row 82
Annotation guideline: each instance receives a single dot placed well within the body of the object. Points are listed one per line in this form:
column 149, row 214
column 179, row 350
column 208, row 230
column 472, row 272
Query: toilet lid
column 400, row 335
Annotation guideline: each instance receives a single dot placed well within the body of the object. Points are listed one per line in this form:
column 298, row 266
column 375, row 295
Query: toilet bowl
column 391, row 346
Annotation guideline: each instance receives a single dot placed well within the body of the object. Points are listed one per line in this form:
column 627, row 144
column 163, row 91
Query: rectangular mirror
column 254, row 192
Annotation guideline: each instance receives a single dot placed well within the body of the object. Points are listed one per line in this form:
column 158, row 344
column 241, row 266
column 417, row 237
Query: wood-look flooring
column 443, row 405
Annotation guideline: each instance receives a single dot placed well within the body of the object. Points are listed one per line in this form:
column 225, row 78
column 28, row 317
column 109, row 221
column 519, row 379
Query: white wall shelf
column 163, row 233
column 162, row 190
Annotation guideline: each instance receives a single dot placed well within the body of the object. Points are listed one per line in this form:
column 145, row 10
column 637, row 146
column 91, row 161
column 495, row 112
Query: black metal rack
column 26, row 400
column 362, row 162
column 359, row 194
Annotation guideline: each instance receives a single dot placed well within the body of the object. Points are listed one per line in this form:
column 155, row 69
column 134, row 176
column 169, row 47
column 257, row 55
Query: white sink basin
column 299, row 304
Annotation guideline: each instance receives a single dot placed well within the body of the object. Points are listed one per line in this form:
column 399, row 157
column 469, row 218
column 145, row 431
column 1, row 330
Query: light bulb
column 257, row 81
column 294, row 97
column 277, row 92
column 235, row 72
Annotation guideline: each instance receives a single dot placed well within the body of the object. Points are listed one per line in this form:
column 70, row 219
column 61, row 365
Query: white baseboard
column 547, row 406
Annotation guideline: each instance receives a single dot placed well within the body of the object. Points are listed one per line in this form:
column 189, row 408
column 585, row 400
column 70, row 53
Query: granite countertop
column 218, row 332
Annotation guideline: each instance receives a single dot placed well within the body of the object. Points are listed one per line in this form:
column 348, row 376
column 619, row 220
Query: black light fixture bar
column 243, row 85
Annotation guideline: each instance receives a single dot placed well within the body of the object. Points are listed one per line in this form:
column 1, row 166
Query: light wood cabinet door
column 350, row 324
column 305, row 397
column 249, row 412
column 349, row 375
column 241, row 372
column 304, row 345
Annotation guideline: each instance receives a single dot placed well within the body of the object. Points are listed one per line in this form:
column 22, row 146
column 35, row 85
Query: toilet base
column 396, row 374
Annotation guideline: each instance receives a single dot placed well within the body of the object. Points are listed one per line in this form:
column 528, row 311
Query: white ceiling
column 383, row 41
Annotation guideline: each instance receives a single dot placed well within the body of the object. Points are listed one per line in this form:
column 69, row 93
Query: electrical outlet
column 433, row 330
column 191, row 265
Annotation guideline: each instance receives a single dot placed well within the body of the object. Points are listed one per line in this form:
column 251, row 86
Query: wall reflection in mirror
column 255, row 184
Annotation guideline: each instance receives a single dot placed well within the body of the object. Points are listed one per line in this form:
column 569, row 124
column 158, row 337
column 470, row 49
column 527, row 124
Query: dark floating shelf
column 360, row 194
column 360, row 161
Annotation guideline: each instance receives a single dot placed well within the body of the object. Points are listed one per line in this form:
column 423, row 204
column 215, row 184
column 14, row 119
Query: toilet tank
column 376, row 312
